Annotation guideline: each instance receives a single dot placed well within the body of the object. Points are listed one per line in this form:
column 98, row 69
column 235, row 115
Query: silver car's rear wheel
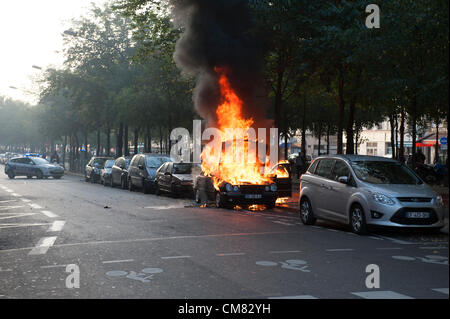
column 358, row 220
column 306, row 212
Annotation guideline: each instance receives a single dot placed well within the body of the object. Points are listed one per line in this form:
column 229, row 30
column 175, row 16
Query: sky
column 30, row 34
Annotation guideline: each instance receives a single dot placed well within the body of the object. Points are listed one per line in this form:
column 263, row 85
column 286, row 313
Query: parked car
column 33, row 166
column 119, row 172
column 175, row 178
column 93, row 168
column 142, row 171
column 364, row 191
column 105, row 173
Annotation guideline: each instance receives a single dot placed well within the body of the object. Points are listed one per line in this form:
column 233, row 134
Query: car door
column 141, row 172
column 166, row 176
column 283, row 181
column 321, row 186
column 338, row 194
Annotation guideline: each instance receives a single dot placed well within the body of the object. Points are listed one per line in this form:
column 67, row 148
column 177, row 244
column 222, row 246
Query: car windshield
column 40, row 161
column 156, row 161
column 384, row 172
column 182, row 168
column 109, row 163
column 99, row 161
column 127, row 162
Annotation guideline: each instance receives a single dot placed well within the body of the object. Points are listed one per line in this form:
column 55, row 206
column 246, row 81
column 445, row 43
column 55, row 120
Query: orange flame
column 227, row 166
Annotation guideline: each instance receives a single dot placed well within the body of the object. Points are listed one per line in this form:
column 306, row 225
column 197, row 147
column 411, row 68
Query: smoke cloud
column 217, row 33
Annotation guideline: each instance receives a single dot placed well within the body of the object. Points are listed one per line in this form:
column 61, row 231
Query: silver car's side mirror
column 343, row 179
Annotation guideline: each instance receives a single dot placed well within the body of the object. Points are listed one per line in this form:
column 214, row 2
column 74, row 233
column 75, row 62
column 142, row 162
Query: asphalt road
column 130, row 245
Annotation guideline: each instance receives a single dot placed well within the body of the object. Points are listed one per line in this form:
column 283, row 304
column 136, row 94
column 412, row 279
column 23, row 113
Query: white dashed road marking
column 284, row 251
column 43, row 245
column 340, row 249
column 36, row 206
column 49, row 214
column 175, row 257
column 57, row 225
column 230, row 254
column 441, row 290
column 381, row 295
column 117, row 261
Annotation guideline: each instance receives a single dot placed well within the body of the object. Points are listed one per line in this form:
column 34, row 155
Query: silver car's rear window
column 384, row 172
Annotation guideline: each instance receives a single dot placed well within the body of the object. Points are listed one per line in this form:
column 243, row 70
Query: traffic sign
column 443, row 140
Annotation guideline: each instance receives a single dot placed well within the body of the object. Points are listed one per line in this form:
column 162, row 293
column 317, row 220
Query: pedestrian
column 299, row 164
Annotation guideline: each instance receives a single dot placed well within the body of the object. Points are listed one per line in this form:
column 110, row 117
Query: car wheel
column 86, row 178
column 123, row 183
column 306, row 212
column 104, row 183
column 111, row 182
column 358, row 220
column 29, row 176
column 219, row 201
column 57, row 177
column 130, row 185
column 197, row 196
column 157, row 190
column 39, row 175
column 11, row 174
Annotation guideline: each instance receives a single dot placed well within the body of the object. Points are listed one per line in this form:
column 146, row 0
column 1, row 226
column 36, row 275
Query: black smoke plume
column 217, row 33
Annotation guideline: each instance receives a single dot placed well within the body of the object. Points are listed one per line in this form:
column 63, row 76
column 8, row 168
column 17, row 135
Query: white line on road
column 8, row 201
column 9, row 190
column 16, row 215
column 230, row 254
column 284, row 251
column 381, row 295
column 21, row 225
column 57, row 225
column 433, row 247
column 16, row 195
column 397, row 241
column 117, row 261
column 49, row 214
column 389, row 248
column 441, row 290
column 340, row 249
column 43, row 245
column 25, row 200
column 283, row 223
column 375, row 237
column 36, row 206
column 175, row 257
column 295, row 297
column 9, row 207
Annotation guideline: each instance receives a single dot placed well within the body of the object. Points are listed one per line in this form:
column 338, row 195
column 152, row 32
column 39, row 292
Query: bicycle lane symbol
column 292, row 264
column 146, row 274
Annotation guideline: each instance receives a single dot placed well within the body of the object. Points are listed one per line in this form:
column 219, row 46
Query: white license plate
column 417, row 215
column 253, row 196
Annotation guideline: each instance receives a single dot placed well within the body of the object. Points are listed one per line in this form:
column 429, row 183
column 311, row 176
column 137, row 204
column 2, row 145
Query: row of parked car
column 155, row 173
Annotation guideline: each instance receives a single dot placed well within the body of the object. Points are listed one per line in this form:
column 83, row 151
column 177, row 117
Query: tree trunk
column 278, row 92
column 414, row 138
column 392, row 124
column 98, row 143
column 136, row 140
column 328, row 139
column 341, row 105
column 304, row 129
column 436, row 146
column 125, row 141
column 85, row 146
column 318, row 143
column 160, row 140
column 350, row 147
column 402, row 136
column 64, row 151
column 119, row 148
column 108, row 140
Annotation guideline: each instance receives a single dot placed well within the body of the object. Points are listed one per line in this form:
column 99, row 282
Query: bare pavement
column 130, row 245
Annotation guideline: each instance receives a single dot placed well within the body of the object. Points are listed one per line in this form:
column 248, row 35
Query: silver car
column 364, row 191
column 33, row 166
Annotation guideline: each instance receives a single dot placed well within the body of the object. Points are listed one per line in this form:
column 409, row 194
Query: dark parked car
column 176, row 178
column 227, row 196
column 32, row 166
column 142, row 171
column 119, row 172
column 105, row 173
column 93, row 168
